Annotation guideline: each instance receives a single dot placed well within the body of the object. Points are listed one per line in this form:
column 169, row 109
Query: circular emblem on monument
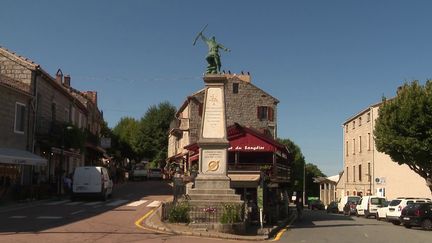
column 213, row 165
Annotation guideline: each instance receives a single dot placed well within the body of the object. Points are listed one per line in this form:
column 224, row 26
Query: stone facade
column 242, row 102
column 369, row 172
column 10, row 96
column 50, row 101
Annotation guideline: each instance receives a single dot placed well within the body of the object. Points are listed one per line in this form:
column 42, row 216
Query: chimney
column 66, row 81
column 59, row 76
column 92, row 96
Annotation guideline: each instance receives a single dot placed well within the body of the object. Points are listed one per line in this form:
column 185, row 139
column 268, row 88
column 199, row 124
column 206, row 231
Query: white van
column 343, row 200
column 368, row 205
column 91, row 180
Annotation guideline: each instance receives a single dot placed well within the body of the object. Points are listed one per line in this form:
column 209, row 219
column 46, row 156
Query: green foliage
column 153, row 131
column 231, row 213
column 125, row 134
column 297, row 164
column 179, row 213
column 403, row 128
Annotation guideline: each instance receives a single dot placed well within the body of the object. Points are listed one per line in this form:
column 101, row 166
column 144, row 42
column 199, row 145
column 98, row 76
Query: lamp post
column 304, row 183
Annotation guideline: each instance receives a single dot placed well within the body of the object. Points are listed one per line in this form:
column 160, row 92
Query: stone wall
column 15, row 70
column 8, row 137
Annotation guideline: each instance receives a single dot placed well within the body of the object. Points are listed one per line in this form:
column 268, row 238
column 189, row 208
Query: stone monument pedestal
column 212, row 185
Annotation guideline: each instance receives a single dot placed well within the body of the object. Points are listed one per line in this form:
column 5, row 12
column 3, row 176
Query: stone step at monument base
column 212, row 182
column 215, row 197
column 212, row 191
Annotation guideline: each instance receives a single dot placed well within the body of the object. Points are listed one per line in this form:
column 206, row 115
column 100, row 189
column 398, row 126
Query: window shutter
column 270, row 114
column 258, row 112
column 200, row 109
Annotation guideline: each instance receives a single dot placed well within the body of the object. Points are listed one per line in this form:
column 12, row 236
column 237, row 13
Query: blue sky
column 324, row 60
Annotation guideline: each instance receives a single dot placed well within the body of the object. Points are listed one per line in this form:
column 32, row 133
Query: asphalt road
column 92, row 220
column 320, row 227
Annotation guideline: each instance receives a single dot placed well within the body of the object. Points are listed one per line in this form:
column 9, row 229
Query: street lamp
column 59, row 180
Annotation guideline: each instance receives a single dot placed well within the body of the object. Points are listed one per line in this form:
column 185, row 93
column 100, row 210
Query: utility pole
column 304, row 183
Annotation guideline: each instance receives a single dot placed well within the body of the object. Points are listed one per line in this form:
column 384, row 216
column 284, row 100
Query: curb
column 148, row 222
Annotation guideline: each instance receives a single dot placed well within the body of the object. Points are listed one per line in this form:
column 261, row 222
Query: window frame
column 23, row 118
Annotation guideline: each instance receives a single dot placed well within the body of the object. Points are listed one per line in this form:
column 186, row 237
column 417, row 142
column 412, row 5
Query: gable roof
column 20, row 59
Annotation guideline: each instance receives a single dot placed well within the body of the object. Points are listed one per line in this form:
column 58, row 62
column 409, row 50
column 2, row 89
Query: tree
column 297, row 164
column 153, row 131
column 403, row 128
column 312, row 171
column 125, row 133
column 300, row 169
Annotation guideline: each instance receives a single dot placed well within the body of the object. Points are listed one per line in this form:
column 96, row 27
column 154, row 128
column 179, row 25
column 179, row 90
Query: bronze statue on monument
column 213, row 57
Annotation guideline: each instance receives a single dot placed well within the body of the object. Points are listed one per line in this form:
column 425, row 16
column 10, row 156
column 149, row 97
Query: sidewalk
column 154, row 222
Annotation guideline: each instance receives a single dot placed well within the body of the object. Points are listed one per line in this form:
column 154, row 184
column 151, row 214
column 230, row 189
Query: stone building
column 16, row 133
column 327, row 188
column 61, row 121
column 369, row 172
column 246, row 105
column 255, row 159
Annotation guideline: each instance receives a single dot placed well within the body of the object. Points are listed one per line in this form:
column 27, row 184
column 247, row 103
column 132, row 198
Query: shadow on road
column 321, row 219
column 59, row 212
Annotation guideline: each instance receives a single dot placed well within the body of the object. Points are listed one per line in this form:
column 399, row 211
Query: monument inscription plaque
column 214, row 120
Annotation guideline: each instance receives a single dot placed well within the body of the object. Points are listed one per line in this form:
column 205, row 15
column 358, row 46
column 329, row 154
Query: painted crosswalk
column 109, row 203
column 117, row 202
column 154, row 204
column 136, row 203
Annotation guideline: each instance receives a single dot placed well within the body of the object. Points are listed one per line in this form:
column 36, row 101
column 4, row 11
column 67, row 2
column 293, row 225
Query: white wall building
column 369, row 172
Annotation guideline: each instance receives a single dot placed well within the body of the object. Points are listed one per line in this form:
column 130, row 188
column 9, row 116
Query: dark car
column 316, row 204
column 417, row 214
column 350, row 208
column 332, row 208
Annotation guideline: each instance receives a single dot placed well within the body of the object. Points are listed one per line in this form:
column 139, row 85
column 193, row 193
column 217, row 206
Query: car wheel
column 427, row 224
column 396, row 222
column 407, row 226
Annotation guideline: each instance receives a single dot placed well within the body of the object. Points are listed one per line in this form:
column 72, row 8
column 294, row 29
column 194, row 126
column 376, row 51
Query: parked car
column 343, row 201
column 332, row 207
column 91, row 181
column 382, row 211
column 350, row 208
column 368, row 205
column 155, row 173
column 139, row 172
column 417, row 214
column 316, row 205
column 396, row 206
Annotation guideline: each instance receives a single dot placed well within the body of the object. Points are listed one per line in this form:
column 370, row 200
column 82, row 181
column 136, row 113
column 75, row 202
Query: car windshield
column 353, row 199
column 394, row 202
column 139, row 167
column 377, row 201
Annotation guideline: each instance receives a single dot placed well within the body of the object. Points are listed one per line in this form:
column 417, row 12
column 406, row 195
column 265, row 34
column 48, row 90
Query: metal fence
column 208, row 214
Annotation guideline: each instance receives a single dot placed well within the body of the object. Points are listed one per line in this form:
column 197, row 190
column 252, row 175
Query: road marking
column 92, row 203
column 117, row 202
column 154, row 204
column 279, row 234
column 56, row 203
column 136, row 203
column 49, row 217
column 366, row 235
column 73, row 203
column 18, row 217
column 77, row 212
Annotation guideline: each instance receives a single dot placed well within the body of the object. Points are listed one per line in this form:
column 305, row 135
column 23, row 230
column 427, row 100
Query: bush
column 179, row 213
column 232, row 213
